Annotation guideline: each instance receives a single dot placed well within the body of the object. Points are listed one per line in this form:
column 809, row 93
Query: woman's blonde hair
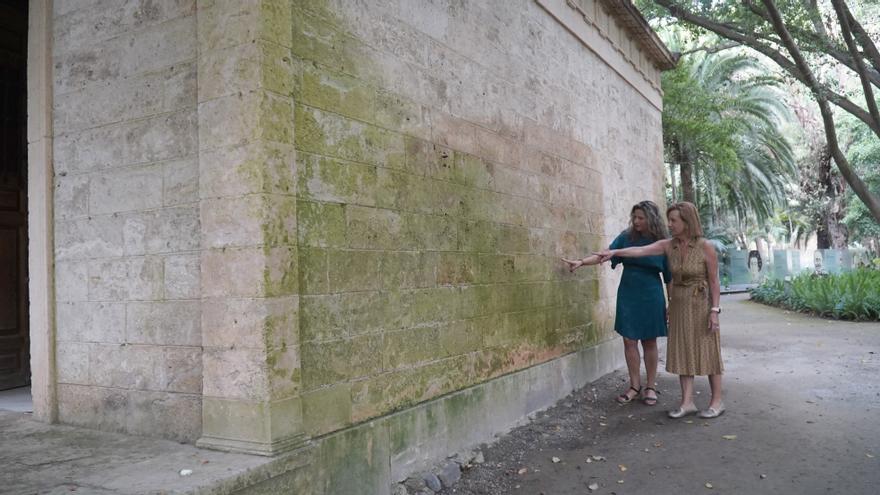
column 689, row 215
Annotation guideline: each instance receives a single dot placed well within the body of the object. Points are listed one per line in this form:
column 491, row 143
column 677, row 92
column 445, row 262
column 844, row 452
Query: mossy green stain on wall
column 411, row 251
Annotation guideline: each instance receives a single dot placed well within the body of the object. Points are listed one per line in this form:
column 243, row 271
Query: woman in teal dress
column 641, row 304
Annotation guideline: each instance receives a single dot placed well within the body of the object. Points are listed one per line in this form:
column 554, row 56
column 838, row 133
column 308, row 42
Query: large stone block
column 183, row 370
column 228, row 23
column 327, row 409
column 240, row 112
column 102, row 408
column 234, row 222
column 322, row 317
column 337, row 92
column 410, row 346
column 164, row 323
column 456, row 269
column 249, row 117
column 243, row 68
column 182, row 276
column 280, row 225
column 313, row 270
column 135, row 279
column 429, row 232
column 326, row 363
column 285, row 370
column 250, row 323
column 72, row 362
column 335, row 181
column 321, row 224
column 238, row 272
column 354, row 462
column 90, row 322
column 109, row 42
column 180, row 182
column 163, row 137
column 333, row 135
column 87, row 238
column 373, row 228
column 457, row 338
column 257, row 427
column 71, row 281
column 70, row 17
column 245, row 169
column 406, row 387
column 169, row 415
column 235, row 373
column 127, row 99
column 126, row 189
column 408, row 270
column 71, row 196
column 281, row 275
column 128, row 367
column 318, row 39
column 350, row 271
column 235, row 420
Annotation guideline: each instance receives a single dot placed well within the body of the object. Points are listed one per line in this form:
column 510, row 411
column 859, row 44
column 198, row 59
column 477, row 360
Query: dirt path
column 803, row 402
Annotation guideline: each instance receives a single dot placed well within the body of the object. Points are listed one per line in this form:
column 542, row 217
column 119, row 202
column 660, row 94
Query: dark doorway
column 14, row 338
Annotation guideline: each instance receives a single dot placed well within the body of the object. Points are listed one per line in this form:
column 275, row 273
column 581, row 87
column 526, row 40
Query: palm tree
column 721, row 124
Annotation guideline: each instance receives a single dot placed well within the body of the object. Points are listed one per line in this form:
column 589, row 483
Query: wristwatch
column 715, row 309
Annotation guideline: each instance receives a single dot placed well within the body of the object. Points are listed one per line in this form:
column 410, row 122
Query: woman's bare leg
column 715, row 385
column 649, row 348
column 633, row 365
column 687, row 391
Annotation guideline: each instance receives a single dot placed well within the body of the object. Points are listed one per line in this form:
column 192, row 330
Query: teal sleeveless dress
column 641, row 305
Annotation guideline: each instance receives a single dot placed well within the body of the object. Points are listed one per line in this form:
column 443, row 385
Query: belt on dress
column 701, row 286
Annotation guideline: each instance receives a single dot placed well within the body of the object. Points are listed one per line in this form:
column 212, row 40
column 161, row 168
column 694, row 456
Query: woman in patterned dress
column 694, row 344
column 641, row 306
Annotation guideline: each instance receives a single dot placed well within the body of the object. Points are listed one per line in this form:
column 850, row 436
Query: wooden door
column 14, row 341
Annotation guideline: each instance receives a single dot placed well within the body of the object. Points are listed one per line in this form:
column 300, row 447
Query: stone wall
column 278, row 219
column 447, row 154
column 127, row 216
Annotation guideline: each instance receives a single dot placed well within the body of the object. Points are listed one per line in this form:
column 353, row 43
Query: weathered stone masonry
column 276, row 220
column 127, row 237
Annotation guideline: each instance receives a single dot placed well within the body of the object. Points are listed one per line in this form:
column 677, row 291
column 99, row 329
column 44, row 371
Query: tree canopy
column 812, row 42
column 721, row 122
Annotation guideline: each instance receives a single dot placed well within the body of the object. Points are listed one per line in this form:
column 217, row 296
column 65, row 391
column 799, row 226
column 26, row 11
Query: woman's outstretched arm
column 654, row 249
column 575, row 264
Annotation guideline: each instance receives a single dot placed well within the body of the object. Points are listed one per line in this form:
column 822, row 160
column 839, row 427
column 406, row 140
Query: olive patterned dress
column 691, row 349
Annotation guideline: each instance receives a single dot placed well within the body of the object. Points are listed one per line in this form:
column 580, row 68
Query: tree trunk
column 831, row 233
column 686, row 173
column 687, row 181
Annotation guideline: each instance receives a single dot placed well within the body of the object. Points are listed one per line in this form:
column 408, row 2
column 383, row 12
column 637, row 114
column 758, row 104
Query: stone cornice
column 630, row 17
column 619, row 36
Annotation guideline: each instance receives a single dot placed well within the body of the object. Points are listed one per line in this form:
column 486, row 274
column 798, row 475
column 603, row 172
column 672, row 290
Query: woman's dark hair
column 656, row 226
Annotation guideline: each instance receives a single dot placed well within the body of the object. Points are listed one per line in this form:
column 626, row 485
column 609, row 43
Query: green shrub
column 853, row 295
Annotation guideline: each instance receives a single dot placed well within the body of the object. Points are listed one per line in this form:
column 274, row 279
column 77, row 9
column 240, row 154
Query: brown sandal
column 626, row 399
column 651, row 401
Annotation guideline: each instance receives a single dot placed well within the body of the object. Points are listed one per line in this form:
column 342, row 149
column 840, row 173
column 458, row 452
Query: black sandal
column 625, row 399
column 651, row 401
